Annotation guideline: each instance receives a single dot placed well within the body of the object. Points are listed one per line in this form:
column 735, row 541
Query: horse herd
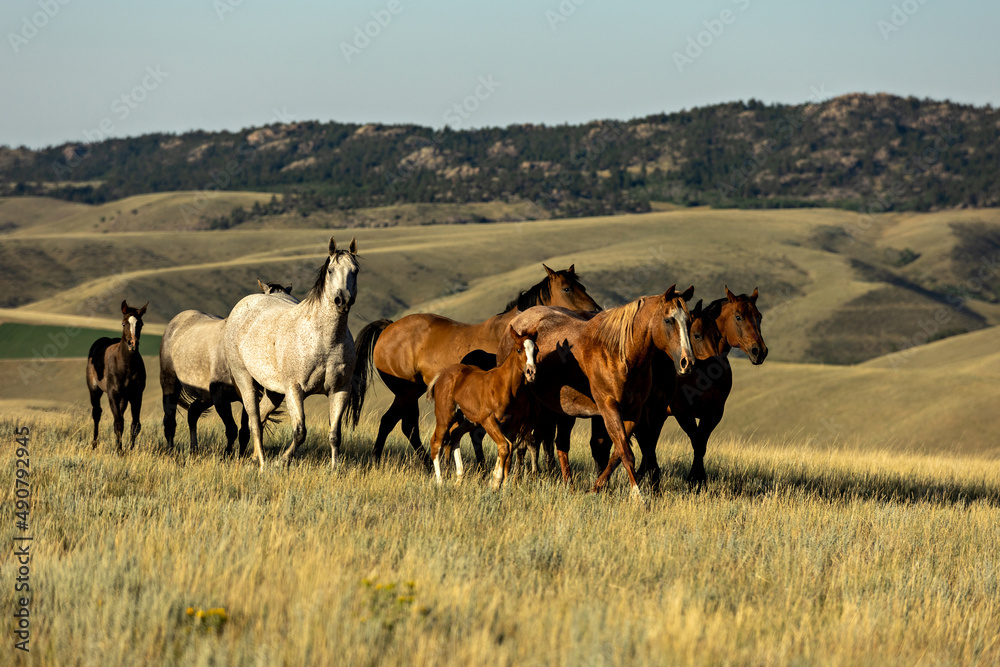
column 524, row 376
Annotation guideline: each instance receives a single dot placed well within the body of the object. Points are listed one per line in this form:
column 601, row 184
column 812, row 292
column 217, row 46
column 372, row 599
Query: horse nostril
column 338, row 300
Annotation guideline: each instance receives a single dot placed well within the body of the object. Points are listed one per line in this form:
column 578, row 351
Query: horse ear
column 354, row 246
column 288, row 289
column 333, row 246
column 697, row 309
column 262, row 286
column 124, row 307
column 688, row 293
column 142, row 311
column 571, row 269
column 730, row 295
column 548, row 271
column 753, row 297
column 671, row 291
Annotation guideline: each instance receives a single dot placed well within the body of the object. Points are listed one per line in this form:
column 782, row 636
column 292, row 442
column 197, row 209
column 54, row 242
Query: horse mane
column 714, row 309
column 615, row 328
column 533, row 296
column 319, row 286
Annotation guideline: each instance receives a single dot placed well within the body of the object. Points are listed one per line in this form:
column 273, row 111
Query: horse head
column 274, row 288
column 706, row 339
column 337, row 282
column 739, row 321
column 526, row 349
column 132, row 325
column 566, row 291
column 672, row 334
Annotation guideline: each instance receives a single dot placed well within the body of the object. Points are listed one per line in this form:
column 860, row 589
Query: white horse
column 297, row 350
column 194, row 373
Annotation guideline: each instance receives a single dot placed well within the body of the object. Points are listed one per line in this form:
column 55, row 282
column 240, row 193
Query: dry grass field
column 793, row 556
column 853, row 514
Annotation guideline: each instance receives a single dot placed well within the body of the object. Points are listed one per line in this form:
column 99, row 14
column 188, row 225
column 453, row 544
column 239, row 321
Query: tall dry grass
column 792, row 556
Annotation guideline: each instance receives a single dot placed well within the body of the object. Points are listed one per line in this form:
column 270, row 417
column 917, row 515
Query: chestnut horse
column 410, row 352
column 699, row 400
column 601, row 366
column 115, row 366
column 466, row 396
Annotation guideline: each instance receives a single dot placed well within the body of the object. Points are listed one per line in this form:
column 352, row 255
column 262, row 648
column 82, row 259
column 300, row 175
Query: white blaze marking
column 531, row 352
column 131, row 325
column 681, row 318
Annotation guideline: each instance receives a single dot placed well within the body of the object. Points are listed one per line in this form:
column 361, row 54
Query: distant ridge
column 858, row 151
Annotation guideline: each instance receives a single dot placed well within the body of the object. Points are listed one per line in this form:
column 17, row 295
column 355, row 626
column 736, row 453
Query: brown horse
column 466, row 396
column 699, row 400
column 410, row 352
column 114, row 366
column 601, row 366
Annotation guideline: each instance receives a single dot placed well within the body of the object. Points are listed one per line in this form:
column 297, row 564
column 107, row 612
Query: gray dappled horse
column 194, row 373
column 296, row 350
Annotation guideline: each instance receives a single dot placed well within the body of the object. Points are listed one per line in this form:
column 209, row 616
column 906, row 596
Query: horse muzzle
column 684, row 365
column 530, row 372
column 757, row 355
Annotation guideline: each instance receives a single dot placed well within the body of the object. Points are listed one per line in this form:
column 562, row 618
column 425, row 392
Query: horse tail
column 430, row 387
column 363, row 368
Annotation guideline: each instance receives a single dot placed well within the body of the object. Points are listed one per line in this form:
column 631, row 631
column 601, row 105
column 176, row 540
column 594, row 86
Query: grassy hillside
column 26, row 341
column 791, row 557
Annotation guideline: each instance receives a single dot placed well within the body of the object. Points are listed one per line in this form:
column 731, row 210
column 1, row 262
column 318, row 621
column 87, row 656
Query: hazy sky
column 229, row 64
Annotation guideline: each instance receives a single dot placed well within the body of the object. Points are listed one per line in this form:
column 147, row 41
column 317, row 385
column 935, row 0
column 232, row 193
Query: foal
column 115, row 367
column 466, row 396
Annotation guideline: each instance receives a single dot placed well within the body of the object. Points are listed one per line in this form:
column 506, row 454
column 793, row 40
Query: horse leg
column 117, row 405
column 562, row 427
column 170, row 399
column 195, row 411
column 392, row 416
column 476, row 436
column 269, row 402
column 647, row 434
column 296, row 410
column 136, row 403
column 411, row 427
column 543, row 436
column 620, row 432
column 699, row 443
column 248, row 394
column 95, row 412
column 224, row 407
column 600, row 443
column 502, row 469
column 338, row 403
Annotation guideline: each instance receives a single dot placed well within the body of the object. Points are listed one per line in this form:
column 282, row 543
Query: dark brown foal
column 115, row 367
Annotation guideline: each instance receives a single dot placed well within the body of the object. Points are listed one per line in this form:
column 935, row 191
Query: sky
column 77, row 70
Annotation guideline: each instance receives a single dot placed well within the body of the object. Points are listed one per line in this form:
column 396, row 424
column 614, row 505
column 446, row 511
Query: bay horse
column 466, row 396
column 297, row 349
column 698, row 400
column 194, row 374
column 601, row 366
column 115, row 367
column 408, row 353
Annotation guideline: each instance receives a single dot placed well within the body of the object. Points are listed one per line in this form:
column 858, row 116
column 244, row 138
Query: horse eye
column 567, row 289
column 739, row 319
column 668, row 320
column 697, row 336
